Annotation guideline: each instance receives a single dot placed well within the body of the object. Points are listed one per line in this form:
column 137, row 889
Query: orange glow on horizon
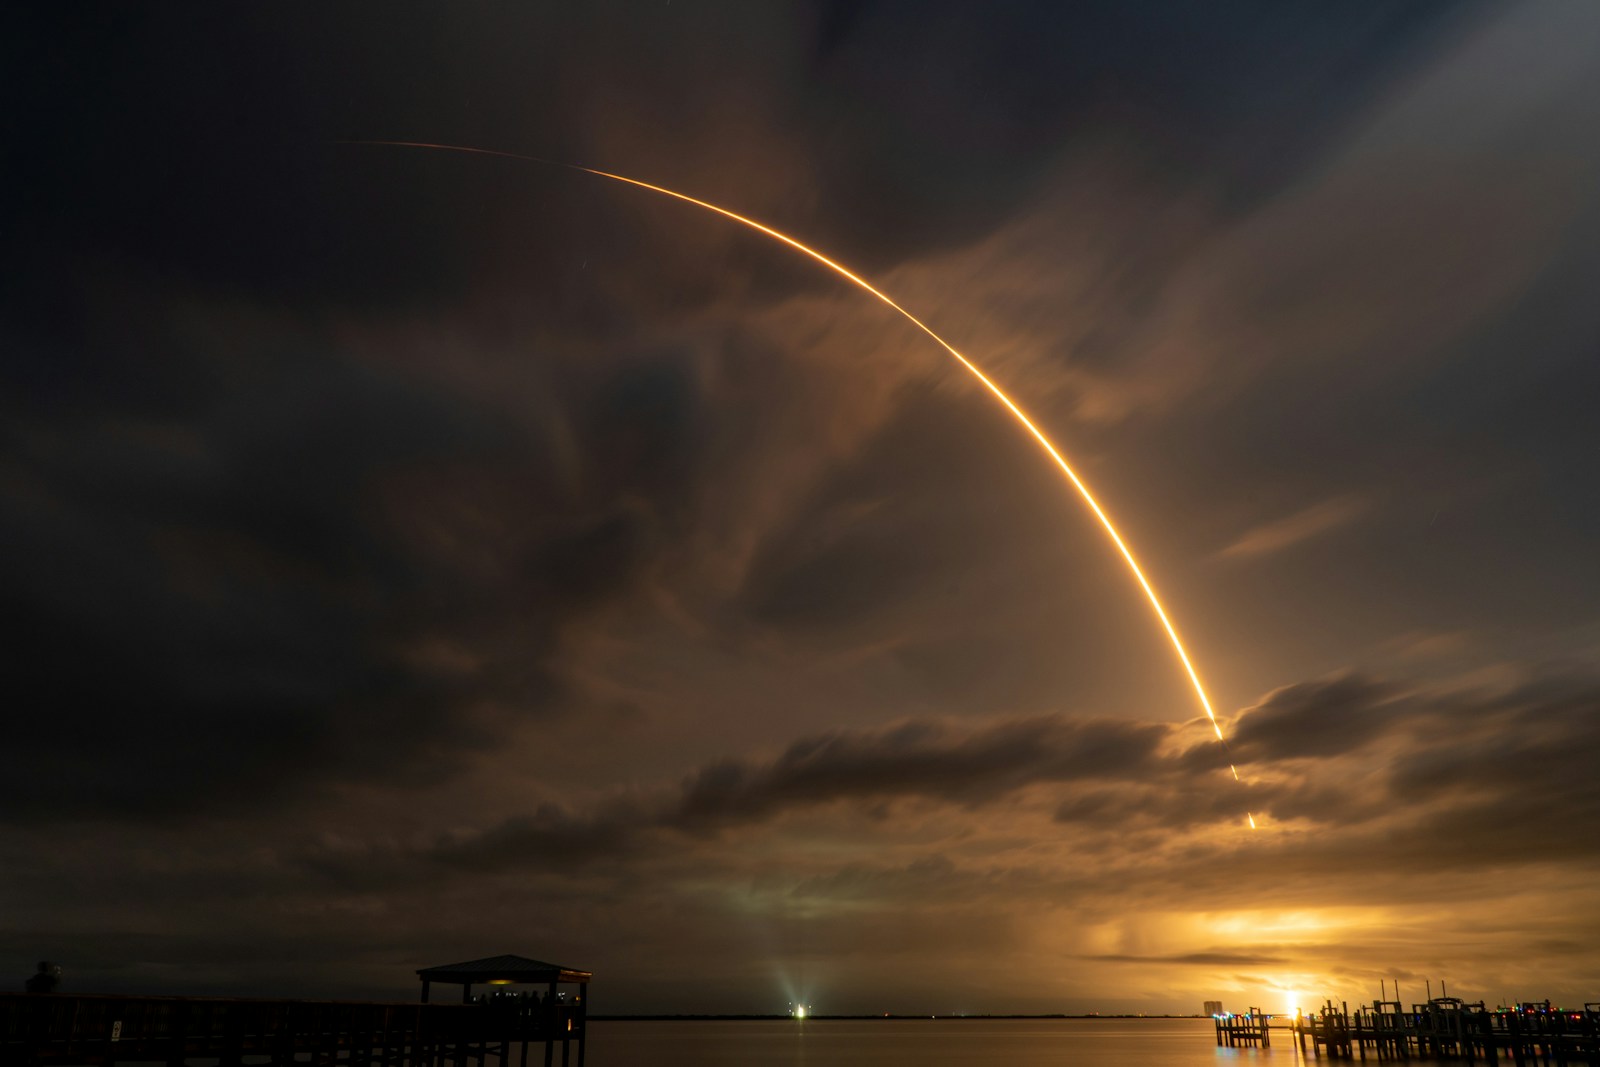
column 988, row 383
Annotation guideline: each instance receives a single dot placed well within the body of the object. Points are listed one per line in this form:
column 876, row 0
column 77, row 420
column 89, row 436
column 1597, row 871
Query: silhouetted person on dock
column 46, row 980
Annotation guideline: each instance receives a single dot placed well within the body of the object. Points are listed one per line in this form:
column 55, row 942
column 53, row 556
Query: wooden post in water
column 550, row 1025
column 583, row 1021
column 177, row 1027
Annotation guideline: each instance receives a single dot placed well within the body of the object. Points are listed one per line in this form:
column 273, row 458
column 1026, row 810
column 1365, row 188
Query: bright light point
column 800, row 1012
column 1252, row 819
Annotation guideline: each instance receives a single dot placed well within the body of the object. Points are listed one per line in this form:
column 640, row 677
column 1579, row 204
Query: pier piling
column 1447, row 1028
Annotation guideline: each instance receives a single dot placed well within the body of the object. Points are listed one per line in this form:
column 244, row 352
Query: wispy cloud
column 1204, row 959
column 1302, row 525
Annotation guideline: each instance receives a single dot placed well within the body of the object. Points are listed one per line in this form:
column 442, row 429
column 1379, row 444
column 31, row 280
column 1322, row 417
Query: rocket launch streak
column 987, row 382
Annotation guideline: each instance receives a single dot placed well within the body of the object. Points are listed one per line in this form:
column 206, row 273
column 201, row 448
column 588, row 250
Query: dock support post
column 583, row 1021
column 550, row 1015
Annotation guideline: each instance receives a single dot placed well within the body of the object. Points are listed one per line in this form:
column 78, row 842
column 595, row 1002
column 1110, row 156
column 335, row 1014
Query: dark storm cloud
column 1442, row 778
column 1469, row 781
column 961, row 115
column 1398, row 849
column 1527, row 748
column 967, row 765
column 1383, row 831
column 151, row 131
column 311, row 568
column 554, row 836
column 964, row 766
column 1517, row 758
column 1316, row 720
column 1352, row 752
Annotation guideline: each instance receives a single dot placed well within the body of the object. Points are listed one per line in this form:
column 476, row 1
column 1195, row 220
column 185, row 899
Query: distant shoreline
column 887, row 1017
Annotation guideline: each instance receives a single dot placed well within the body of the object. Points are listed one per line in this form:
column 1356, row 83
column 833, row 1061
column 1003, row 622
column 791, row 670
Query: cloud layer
column 420, row 556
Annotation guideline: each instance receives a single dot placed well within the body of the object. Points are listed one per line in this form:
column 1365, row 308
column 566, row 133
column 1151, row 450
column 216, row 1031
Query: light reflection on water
column 947, row 1042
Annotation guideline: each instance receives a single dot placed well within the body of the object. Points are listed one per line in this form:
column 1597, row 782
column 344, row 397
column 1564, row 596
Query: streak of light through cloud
column 987, row 382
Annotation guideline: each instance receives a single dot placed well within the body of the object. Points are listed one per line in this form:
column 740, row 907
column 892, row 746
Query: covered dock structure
column 45, row 1029
column 547, row 1013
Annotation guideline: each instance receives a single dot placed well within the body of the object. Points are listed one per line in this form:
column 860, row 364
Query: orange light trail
column 988, row 383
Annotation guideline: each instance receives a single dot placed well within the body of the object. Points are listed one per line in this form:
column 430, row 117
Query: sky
column 414, row 557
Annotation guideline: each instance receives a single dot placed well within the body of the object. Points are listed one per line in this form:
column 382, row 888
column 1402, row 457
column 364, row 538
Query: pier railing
column 40, row 1030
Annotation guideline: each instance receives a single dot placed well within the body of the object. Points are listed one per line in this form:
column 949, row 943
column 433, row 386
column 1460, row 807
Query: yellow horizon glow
column 1038, row 435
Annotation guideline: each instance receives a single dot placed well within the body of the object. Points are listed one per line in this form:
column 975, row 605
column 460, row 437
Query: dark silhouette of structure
column 1443, row 1028
column 46, row 980
column 501, row 971
column 492, row 1028
column 558, row 1015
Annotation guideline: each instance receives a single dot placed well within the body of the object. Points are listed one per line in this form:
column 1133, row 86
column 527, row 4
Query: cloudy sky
column 414, row 557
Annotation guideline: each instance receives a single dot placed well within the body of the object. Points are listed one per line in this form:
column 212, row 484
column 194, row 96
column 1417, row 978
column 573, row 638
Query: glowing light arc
column 987, row 382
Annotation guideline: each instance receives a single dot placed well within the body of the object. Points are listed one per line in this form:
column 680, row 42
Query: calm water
column 904, row 1043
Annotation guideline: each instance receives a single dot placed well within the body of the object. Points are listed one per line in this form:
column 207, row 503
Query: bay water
column 948, row 1042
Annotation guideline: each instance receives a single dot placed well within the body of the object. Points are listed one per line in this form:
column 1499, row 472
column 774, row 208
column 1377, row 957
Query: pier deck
column 55, row 1030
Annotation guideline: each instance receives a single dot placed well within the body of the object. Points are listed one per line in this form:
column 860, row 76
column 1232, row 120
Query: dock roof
column 503, row 969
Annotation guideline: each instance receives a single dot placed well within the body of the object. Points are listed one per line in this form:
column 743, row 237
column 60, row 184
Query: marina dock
column 1253, row 1028
column 1448, row 1028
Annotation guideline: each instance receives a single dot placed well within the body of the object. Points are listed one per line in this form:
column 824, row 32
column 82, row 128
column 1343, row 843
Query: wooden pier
column 1448, row 1028
column 1253, row 1028
column 46, row 1030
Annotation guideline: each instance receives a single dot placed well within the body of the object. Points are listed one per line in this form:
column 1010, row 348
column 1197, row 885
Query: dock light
column 800, row 1011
